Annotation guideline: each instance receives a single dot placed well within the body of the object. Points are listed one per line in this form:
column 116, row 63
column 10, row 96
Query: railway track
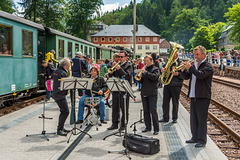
column 223, row 127
column 230, row 84
column 21, row 104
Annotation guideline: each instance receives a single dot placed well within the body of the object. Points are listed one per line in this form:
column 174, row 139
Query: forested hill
column 173, row 19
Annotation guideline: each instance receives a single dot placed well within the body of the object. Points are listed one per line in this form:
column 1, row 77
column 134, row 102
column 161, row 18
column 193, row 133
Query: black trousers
column 117, row 103
column 150, row 110
column 64, row 112
column 198, row 119
column 168, row 93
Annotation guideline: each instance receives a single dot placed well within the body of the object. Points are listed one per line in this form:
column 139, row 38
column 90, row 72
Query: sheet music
column 81, row 83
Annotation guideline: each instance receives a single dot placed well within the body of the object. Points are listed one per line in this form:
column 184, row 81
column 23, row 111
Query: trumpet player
column 200, row 75
column 172, row 91
column 122, row 71
column 149, row 81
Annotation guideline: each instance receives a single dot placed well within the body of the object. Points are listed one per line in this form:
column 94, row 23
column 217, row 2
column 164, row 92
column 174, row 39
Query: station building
column 122, row 36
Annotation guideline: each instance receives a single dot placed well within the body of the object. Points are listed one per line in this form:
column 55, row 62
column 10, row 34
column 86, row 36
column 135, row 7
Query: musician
column 98, row 88
column 123, row 71
column 60, row 96
column 172, row 90
column 115, row 59
column 149, row 81
column 200, row 75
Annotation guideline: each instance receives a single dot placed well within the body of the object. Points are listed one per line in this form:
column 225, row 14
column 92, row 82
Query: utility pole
column 134, row 30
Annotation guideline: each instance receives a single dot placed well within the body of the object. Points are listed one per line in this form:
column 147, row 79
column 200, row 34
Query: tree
column 50, row 13
column 216, row 30
column 186, row 24
column 233, row 19
column 81, row 13
column 7, row 6
column 202, row 37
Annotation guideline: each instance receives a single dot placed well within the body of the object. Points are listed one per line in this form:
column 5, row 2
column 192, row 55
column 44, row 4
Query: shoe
column 79, row 121
column 174, row 121
column 155, row 133
column 146, row 130
column 112, row 127
column 122, row 128
column 191, row 141
column 61, row 133
column 46, row 100
column 103, row 121
column 163, row 120
column 66, row 130
column 199, row 145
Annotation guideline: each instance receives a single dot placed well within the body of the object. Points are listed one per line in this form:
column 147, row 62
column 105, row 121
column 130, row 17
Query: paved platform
column 15, row 145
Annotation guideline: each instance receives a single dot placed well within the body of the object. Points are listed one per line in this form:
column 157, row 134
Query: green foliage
column 50, row 13
column 237, row 47
column 233, row 19
column 7, row 6
column 80, row 16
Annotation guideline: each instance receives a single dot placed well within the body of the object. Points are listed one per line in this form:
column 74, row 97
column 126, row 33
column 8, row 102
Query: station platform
column 15, row 145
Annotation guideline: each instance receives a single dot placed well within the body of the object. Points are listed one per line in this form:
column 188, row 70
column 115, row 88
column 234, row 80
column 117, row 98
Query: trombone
column 138, row 76
column 113, row 69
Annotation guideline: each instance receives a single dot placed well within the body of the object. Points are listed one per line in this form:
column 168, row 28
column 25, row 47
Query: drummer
column 99, row 86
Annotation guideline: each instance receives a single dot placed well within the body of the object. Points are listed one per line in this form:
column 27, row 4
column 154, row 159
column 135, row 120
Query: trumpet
column 113, row 69
column 182, row 65
column 138, row 76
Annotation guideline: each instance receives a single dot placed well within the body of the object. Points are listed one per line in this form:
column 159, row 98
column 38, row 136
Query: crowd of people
column 148, row 81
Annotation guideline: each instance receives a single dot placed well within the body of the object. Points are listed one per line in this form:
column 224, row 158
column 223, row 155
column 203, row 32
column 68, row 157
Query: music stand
column 74, row 83
column 115, row 85
column 123, row 86
column 43, row 117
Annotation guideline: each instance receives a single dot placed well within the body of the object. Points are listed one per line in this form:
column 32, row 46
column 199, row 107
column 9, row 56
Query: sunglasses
column 121, row 56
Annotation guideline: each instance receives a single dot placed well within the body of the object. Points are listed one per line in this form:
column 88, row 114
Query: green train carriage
column 18, row 64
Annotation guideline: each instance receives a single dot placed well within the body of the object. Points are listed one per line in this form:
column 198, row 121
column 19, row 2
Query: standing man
column 60, row 96
column 222, row 69
column 78, row 68
column 115, row 59
column 172, row 90
column 200, row 75
column 49, row 70
column 149, row 91
column 123, row 71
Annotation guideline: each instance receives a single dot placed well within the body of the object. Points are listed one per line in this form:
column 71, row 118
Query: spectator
column 103, row 68
column 5, row 49
column 97, row 64
column 222, row 69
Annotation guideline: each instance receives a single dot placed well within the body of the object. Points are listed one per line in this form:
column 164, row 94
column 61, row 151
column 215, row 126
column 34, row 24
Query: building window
column 131, row 39
column 110, row 39
column 117, row 39
column 61, row 48
column 103, row 39
column 70, row 49
column 27, row 43
column 139, row 47
column 5, row 40
column 155, row 39
column 147, row 47
column 147, row 39
column 139, row 39
column 125, row 39
column 154, row 47
column 95, row 39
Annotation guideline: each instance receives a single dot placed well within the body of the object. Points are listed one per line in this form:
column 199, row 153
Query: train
column 20, row 56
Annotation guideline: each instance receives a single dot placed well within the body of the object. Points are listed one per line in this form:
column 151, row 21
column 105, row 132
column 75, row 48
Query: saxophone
column 167, row 76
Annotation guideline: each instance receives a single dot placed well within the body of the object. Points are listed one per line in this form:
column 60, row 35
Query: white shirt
column 193, row 81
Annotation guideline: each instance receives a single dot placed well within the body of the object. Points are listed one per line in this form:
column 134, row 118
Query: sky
column 109, row 5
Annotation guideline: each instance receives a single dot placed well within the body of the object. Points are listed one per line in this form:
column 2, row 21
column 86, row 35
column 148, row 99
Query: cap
column 87, row 56
column 79, row 53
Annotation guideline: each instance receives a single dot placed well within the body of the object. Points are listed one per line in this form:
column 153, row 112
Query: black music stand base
column 43, row 131
column 73, row 132
column 134, row 125
column 119, row 133
column 124, row 151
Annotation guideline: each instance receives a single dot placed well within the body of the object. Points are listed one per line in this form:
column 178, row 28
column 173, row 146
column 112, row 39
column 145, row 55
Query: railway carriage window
column 5, row 40
column 70, row 49
column 81, row 48
column 27, row 43
column 90, row 50
column 61, row 48
column 76, row 48
column 85, row 50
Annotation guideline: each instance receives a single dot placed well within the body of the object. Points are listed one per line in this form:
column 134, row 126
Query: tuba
column 113, row 69
column 167, row 76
